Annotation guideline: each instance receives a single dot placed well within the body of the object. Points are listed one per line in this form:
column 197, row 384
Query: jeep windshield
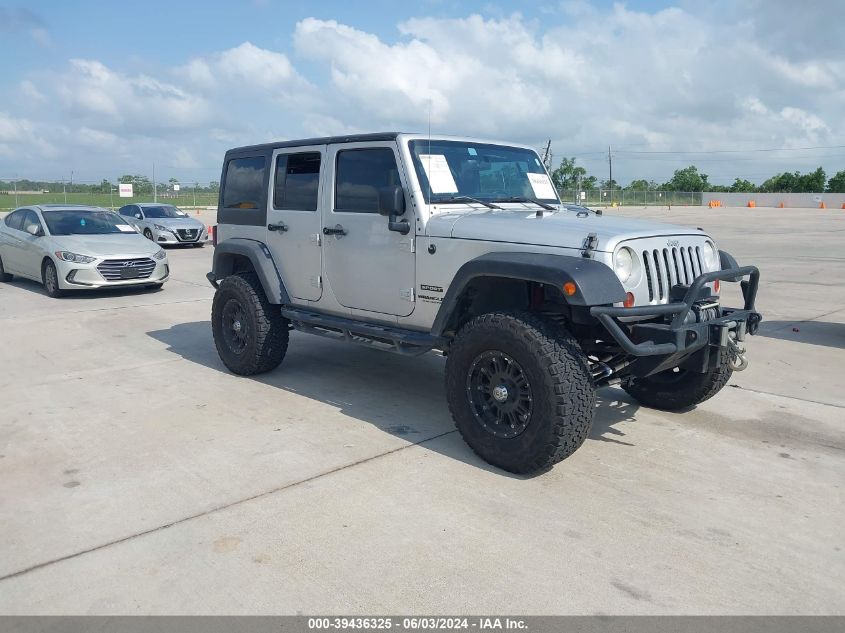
column 85, row 223
column 459, row 171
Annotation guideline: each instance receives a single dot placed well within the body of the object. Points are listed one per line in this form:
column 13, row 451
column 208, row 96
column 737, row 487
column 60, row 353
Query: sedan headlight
column 160, row 255
column 159, row 227
column 711, row 257
column 75, row 258
column 626, row 266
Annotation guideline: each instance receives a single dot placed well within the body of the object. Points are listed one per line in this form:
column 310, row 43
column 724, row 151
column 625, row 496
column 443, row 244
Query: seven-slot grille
column 188, row 235
column 667, row 267
column 113, row 269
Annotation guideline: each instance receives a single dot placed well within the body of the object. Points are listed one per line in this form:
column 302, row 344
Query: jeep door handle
column 337, row 230
column 281, row 227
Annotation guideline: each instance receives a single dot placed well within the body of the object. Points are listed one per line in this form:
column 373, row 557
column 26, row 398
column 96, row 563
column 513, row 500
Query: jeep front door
column 368, row 266
column 293, row 219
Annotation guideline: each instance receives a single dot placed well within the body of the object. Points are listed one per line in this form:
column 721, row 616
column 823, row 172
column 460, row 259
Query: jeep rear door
column 368, row 266
column 293, row 218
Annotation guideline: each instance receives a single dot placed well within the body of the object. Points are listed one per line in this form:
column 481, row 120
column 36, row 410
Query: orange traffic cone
column 752, row 203
column 822, row 205
column 780, row 206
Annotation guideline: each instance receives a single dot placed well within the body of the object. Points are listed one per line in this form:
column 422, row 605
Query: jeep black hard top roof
column 324, row 140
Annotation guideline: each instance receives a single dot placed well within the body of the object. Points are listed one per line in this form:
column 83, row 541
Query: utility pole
column 16, row 190
column 64, row 189
column 547, row 156
column 155, row 189
column 195, row 194
column 610, row 173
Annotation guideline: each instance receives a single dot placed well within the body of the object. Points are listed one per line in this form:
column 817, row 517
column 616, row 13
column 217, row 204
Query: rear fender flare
column 227, row 253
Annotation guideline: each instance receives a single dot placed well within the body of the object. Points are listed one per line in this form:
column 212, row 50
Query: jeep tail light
column 213, row 231
column 629, row 300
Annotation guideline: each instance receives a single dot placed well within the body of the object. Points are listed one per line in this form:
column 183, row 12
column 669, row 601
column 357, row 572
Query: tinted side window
column 360, row 174
column 14, row 219
column 297, row 179
column 127, row 211
column 243, row 183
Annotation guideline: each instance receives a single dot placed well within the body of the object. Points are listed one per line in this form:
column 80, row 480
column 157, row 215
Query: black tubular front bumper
column 682, row 336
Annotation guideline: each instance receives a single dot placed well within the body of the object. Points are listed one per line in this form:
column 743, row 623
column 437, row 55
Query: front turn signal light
column 569, row 288
column 716, row 286
column 629, row 300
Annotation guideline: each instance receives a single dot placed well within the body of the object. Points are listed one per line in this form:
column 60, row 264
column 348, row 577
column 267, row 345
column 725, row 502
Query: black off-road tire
column 677, row 389
column 50, row 279
column 4, row 276
column 261, row 340
column 562, row 394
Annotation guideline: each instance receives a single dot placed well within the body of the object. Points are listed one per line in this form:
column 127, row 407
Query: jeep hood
column 562, row 229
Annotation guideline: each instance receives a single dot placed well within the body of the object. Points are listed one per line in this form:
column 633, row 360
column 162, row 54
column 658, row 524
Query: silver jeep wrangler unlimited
column 460, row 245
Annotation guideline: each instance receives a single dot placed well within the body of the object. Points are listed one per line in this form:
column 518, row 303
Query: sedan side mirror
column 137, row 216
column 34, row 230
column 391, row 201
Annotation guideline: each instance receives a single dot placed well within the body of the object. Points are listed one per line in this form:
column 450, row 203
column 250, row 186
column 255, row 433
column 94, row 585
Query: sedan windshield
column 163, row 211
column 454, row 171
column 85, row 223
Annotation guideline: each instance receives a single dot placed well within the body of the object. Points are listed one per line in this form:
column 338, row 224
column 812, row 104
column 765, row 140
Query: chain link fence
column 632, row 198
column 22, row 192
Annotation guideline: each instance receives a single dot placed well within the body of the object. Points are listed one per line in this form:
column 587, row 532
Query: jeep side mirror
column 391, row 201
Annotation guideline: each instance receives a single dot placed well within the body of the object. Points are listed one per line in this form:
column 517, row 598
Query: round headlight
column 711, row 257
column 623, row 264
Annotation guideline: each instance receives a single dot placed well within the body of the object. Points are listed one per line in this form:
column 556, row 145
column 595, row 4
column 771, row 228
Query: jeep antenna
column 428, row 178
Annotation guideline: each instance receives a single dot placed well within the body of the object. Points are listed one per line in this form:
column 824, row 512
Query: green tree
column 836, row 184
column 796, row 182
column 814, row 181
column 742, row 186
column 567, row 176
column 141, row 185
column 641, row 185
column 688, row 179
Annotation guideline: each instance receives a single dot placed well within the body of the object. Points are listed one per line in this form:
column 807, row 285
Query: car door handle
column 337, row 230
column 281, row 227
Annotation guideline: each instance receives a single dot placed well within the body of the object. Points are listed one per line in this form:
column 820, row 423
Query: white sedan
column 68, row 247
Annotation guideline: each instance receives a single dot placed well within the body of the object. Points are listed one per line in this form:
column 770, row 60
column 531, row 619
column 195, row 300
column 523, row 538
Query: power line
column 732, row 151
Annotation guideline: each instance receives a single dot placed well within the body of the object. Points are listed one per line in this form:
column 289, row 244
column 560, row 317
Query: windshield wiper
column 548, row 207
column 468, row 199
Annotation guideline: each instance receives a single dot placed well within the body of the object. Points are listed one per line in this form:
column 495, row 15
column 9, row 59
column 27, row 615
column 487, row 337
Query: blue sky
column 104, row 90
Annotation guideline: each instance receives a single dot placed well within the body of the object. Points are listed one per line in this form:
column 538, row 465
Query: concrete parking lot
column 138, row 476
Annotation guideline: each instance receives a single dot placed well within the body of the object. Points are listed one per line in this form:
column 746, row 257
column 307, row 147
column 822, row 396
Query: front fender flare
column 595, row 282
column 261, row 258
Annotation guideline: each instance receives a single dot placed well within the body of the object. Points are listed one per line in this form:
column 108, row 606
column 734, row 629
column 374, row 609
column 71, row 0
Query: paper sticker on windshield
column 542, row 186
column 438, row 173
column 125, row 228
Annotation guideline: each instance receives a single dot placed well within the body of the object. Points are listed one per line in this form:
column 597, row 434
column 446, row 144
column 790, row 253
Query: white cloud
column 94, row 92
column 245, row 64
column 700, row 77
column 31, row 92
